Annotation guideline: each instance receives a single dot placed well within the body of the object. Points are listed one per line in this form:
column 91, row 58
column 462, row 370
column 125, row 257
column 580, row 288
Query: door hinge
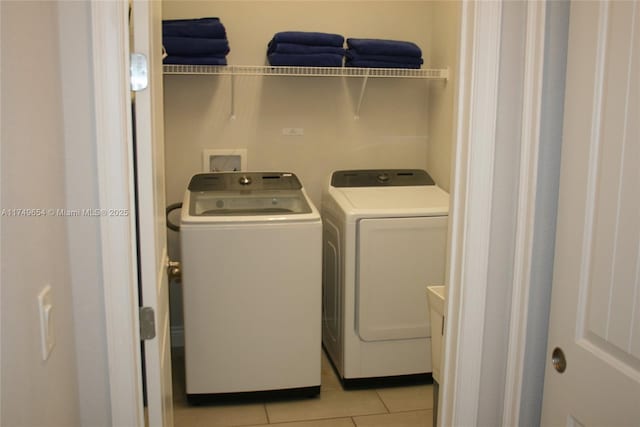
column 147, row 323
column 139, row 72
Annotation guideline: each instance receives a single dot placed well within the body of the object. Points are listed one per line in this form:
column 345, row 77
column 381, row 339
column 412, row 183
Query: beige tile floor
column 409, row 406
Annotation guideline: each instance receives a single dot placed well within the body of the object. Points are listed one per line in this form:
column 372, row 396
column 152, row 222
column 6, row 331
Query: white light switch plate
column 47, row 335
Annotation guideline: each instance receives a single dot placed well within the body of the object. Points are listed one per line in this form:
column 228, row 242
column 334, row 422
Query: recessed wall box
column 224, row 160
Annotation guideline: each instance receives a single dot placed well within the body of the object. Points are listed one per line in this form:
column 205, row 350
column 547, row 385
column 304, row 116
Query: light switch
column 47, row 331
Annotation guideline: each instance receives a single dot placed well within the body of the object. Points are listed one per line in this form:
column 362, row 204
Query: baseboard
column 248, row 396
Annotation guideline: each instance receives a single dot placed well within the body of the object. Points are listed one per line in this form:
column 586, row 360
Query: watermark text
column 62, row 212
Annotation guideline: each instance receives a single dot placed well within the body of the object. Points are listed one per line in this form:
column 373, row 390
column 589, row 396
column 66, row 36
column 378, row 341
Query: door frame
column 470, row 212
column 473, row 185
column 116, row 189
column 528, row 188
column 470, row 215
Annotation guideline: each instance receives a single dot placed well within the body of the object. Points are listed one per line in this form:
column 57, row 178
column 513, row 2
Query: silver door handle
column 558, row 360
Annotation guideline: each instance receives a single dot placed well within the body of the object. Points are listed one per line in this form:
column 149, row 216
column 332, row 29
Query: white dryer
column 384, row 241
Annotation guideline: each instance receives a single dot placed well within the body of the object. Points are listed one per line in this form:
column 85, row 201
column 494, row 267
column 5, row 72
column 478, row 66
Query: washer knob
column 383, row 177
column 244, row 180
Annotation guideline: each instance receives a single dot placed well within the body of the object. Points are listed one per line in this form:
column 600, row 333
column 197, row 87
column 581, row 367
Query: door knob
column 558, row 360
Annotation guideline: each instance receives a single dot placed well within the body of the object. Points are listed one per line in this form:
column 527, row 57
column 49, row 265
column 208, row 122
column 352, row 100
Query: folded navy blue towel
column 303, row 49
column 352, row 55
column 190, row 46
column 195, row 60
column 384, row 47
column 208, row 28
column 360, row 63
column 301, row 60
column 308, row 38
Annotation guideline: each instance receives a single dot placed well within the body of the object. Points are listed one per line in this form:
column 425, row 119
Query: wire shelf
column 267, row 70
column 257, row 70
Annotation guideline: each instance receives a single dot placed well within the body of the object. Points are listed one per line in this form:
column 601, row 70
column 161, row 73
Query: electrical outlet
column 293, row 131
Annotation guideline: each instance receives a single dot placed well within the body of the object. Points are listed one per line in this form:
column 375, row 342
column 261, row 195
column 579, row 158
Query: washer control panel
column 235, row 181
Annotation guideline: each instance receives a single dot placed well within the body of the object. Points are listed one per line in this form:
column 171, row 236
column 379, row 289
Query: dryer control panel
column 380, row 178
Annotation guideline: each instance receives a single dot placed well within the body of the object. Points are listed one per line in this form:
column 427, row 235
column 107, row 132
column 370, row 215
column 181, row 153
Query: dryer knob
column 244, row 180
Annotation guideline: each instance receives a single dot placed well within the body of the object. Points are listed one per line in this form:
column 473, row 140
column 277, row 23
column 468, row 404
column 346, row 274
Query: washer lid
column 244, row 203
column 246, row 193
column 246, row 197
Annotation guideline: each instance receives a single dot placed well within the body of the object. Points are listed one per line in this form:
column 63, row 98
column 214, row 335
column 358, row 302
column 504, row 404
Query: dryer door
column 397, row 259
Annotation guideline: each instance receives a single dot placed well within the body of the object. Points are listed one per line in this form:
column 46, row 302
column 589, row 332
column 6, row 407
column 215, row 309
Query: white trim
column 595, row 144
column 115, row 182
column 527, row 191
column 1, row 260
column 471, row 211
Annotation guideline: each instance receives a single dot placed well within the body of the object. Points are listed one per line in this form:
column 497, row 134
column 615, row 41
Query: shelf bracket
column 362, row 89
column 233, row 97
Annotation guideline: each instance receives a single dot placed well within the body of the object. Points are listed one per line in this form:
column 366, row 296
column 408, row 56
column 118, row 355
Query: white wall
column 391, row 131
column 393, row 128
column 34, row 249
column 444, row 36
column 49, row 161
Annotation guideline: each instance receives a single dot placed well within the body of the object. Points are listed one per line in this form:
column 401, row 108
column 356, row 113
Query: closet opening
column 307, row 124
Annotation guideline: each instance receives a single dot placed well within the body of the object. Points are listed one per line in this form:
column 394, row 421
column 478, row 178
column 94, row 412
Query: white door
column 152, row 242
column 595, row 309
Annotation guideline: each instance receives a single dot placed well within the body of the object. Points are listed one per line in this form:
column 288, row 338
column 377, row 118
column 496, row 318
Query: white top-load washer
column 251, row 276
column 384, row 241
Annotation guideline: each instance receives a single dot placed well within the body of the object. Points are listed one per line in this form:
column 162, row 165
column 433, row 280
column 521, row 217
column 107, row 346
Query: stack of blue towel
column 200, row 41
column 306, row 49
column 377, row 53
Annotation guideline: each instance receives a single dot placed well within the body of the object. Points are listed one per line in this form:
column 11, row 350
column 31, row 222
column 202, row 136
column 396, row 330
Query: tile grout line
column 382, row 400
column 284, row 423
column 266, row 413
